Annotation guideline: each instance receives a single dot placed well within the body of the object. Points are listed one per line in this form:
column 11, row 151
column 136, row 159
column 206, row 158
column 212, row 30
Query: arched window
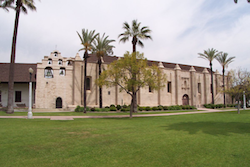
column 60, row 62
column 69, row 63
column 62, row 71
column 49, row 61
column 48, row 72
column 55, row 53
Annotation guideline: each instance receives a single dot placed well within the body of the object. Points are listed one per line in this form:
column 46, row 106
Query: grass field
column 3, row 113
column 214, row 139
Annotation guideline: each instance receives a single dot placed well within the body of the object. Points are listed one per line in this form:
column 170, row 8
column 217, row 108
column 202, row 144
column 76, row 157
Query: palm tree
column 137, row 34
column 210, row 55
column 237, row 1
column 87, row 39
column 20, row 6
column 224, row 61
column 5, row 5
column 102, row 47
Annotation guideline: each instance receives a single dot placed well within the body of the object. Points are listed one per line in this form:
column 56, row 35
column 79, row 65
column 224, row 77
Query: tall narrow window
column 48, row 72
column 18, row 96
column 49, row 61
column 0, row 96
column 60, row 62
column 199, row 87
column 62, row 71
column 88, row 83
column 169, row 87
column 149, row 89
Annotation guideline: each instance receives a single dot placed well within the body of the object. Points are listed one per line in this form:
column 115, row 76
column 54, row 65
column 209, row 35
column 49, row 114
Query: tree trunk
column 100, row 88
column 134, row 42
column 238, row 108
column 131, row 108
column 85, row 82
column 224, row 94
column 212, row 83
column 12, row 61
column 135, row 103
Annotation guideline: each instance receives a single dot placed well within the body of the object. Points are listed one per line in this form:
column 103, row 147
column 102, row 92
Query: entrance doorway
column 59, row 102
column 185, row 100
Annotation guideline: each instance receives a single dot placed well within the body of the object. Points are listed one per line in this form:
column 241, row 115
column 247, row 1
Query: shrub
column 77, row 109
column 92, row 109
column 113, row 108
column 177, row 107
column 98, row 109
column 155, row 108
column 81, row 109
column 112, row 105
column 140, row 108
column 124, row 106
column 219, row 105
column 160, row 107
column 125, row 109
column 118, row 107
column 147, row 108
column 209, row 105
column 187, row 107
column 231, row 105
column 106, row 107
column 165, row 107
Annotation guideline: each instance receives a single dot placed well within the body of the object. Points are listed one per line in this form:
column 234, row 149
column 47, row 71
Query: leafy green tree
column 240, row 82
column 87, row 38
column 121, row 72
column 237, row 1
column 20, row 5
column 137, row 34
column 210, row 55
column 101, row 48
column 224, row 60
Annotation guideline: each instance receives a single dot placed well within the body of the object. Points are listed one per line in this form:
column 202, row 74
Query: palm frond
column 224, row 60
column 134, row 31
column 101, row 46
column 87, row 39
column 209, row 54
column 6, row 4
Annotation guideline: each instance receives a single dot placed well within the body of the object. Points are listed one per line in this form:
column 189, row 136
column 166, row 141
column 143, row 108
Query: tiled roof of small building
column 21, row 72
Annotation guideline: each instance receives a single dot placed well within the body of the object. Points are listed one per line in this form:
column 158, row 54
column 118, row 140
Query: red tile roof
column 21, row 72
column 108, row 59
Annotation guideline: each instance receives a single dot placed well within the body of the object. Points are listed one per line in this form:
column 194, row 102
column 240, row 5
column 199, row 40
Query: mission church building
column 58, row 83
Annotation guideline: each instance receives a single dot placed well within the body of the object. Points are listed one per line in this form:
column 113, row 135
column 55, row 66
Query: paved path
column 204, row 110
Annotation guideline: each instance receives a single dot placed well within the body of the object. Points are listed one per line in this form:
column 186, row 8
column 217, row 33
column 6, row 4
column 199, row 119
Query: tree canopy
column 122, row 71
column 136, row 33
column 240, row 82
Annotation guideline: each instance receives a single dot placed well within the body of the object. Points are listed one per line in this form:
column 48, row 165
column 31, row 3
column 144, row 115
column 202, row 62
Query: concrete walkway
column 203, row 110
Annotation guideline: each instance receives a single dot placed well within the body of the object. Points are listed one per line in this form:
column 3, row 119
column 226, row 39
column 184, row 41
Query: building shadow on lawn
column 212, row 128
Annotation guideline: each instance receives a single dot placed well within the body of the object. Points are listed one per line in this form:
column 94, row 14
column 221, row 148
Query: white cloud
column 180, row 29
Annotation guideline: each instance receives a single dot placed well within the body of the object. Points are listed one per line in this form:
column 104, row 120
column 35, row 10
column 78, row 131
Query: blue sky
column 180, row 29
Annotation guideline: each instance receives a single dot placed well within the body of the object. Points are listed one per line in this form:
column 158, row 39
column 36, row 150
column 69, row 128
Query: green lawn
column 3, row 113
column 214, row 139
